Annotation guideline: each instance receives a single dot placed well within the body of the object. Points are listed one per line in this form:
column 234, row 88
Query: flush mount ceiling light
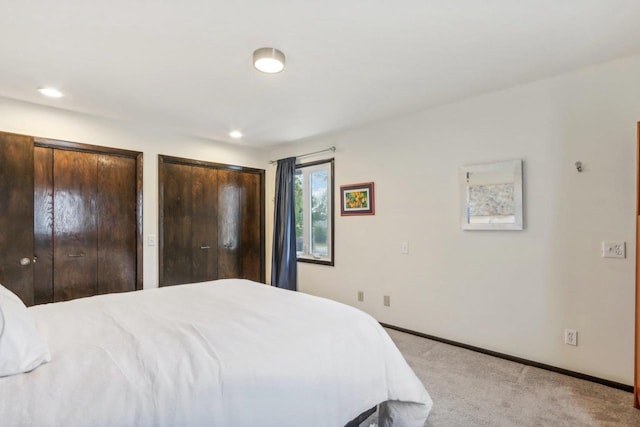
column 50, row 92
column 268, row 60
column 235, row 134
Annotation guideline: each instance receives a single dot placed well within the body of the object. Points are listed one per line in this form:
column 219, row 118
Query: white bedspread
column 229, row 353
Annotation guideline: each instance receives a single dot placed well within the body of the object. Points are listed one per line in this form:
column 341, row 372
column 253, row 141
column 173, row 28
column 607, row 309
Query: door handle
column 205, row 247
column 26, row 261
column 80, row 255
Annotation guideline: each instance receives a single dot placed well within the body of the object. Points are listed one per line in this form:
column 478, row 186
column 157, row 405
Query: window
column 314, row 212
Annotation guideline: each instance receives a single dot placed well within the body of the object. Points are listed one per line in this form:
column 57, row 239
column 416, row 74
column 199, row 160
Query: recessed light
column 235, row 134
column 51, row 92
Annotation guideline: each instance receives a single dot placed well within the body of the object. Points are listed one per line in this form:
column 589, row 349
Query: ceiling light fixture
column 235, row 134
column 268, row 60
column 50, row 92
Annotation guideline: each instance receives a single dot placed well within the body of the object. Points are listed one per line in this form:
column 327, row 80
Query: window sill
column 316, row 261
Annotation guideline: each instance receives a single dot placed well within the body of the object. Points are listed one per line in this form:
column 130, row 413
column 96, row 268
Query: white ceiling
column 185, row 65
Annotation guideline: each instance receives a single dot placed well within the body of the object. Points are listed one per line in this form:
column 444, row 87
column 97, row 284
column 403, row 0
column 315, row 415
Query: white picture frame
column 491, row 196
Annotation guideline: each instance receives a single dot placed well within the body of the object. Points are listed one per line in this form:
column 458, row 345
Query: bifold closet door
column 75, row 225
column 190, row 229
column 211, row 221
column 43, row 224
column 204, row 227
column 85, row 224
column 116, row 219
column 176, row 224
column 239, row 225
column 252, row 239
column 70, row 219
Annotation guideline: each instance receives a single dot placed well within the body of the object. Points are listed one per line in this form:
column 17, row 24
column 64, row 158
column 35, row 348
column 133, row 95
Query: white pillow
column 22, row 348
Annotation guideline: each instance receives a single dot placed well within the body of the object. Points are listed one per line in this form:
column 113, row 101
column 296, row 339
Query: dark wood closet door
column 176, row 224
column 116, row 208
column 189, row 228
column 75, row 226
column 211, row 221
column 16, row 215
column 239, row 222
column 252, row 258
column 230, row 225
column 204, row 227
column 70, row 219
column 43, row 224
column 86, row 218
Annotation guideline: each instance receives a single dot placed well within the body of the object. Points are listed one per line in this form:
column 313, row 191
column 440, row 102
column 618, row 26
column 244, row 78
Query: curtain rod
column 332, row 149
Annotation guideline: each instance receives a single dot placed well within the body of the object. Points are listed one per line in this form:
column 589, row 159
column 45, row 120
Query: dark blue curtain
column 284, row 267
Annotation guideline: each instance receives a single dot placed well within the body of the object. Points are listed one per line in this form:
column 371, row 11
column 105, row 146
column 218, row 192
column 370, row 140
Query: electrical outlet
column 360, row 296
column 387, row 300
column 571, row 337
column 614, row 250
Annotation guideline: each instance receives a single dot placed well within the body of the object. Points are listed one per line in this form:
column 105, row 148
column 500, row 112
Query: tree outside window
column 314, row 212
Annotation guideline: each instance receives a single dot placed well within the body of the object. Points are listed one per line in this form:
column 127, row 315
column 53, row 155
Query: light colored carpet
column 473, row 389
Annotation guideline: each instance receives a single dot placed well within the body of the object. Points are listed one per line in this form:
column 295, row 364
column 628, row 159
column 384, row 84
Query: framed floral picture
column 357, row 199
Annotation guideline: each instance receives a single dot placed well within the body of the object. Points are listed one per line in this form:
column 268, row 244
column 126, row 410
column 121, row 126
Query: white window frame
column 307, row 169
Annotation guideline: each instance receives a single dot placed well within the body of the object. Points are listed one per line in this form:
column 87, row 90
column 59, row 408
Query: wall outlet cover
column 571, row 337
column 614, row 249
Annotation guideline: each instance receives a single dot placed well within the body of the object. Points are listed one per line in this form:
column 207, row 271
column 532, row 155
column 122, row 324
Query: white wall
column 30, row 119
column 509, row 291
column 512, row 292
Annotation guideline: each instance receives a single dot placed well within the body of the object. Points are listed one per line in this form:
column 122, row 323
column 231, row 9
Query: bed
column 224, row 353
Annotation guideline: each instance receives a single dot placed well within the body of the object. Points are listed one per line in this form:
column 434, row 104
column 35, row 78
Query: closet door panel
column 251, row 230
column 204, row 228
column 176, row 225
column 116, row 218
column 230, row 196
column 43, row 224
column 75, row 225
column 16, row 214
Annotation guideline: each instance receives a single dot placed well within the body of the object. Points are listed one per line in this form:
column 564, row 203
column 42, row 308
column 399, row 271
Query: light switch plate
column 404, row 247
